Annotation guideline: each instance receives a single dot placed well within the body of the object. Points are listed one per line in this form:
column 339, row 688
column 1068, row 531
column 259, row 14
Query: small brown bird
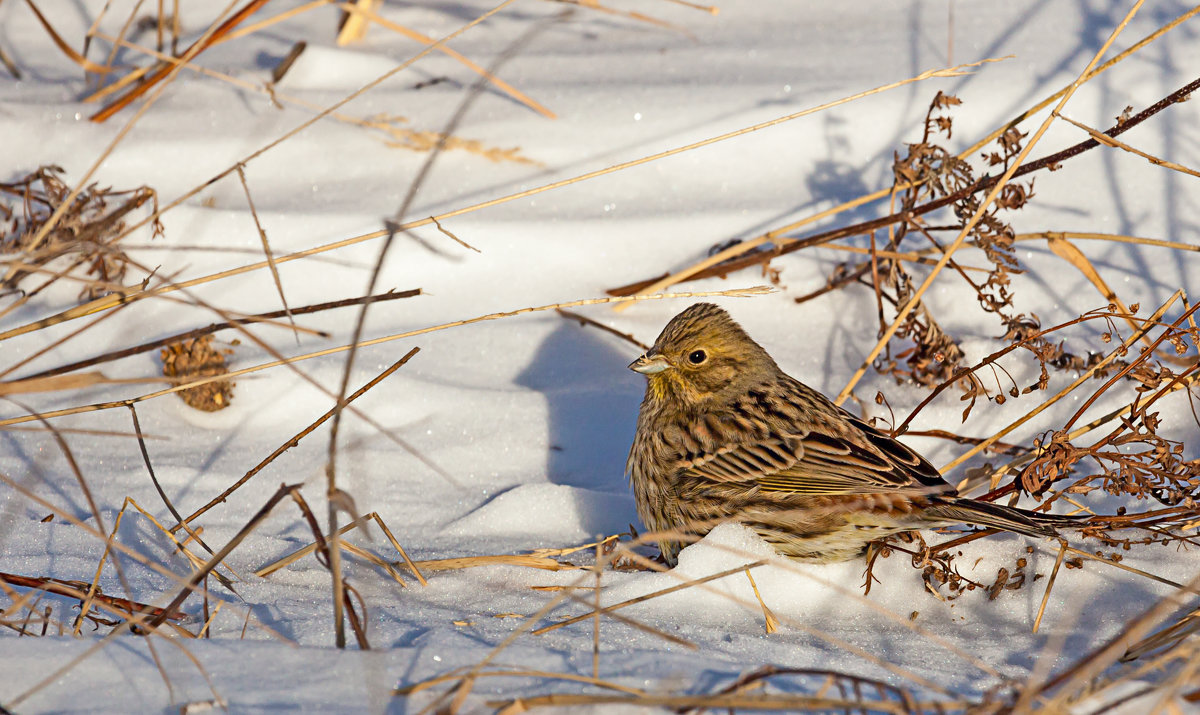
column 725, row 435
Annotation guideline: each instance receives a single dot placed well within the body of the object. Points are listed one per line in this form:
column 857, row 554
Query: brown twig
column 199, row 574
column 216, row 327
column 72, row 589
column 195, row 49
column 266, row 246
column 584, row 320
column 220, row 498
column 997, row 447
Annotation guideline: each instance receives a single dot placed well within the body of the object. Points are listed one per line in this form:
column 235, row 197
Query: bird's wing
column 819, row 463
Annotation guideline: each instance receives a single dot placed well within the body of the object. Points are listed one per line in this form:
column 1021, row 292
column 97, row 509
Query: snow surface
column 531, row 416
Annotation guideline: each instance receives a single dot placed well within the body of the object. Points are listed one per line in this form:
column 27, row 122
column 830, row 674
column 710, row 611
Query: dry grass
column 87, row 231
column 53, row 233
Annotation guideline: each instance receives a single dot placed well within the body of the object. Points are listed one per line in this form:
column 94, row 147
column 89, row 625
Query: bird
column 725, row 435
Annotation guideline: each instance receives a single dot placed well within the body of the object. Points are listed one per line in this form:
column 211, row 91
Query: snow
column 529, row 418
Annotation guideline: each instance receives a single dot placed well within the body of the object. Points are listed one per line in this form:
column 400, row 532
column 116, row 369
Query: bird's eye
column 697, row 356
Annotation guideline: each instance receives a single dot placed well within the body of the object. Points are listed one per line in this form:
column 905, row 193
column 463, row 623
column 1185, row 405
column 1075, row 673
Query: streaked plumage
column 725, row 435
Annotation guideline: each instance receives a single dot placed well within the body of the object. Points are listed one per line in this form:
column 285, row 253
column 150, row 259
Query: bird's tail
column 1019, row 521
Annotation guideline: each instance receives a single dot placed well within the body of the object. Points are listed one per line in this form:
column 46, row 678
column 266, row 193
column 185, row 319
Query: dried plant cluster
column 195, row 358
column 939, row 203
column 1131, row 460
column 88, row 230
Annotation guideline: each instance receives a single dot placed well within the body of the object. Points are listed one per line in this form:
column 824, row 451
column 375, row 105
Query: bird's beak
column 649, row 364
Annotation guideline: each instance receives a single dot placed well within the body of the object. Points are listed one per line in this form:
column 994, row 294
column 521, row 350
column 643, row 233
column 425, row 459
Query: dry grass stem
column 516, row 673
column 92, row 432
column 117, row 606
column 169, row 71
column 220, row 498
column 368, row 556
column 300, row 553
column 784, row 703
column 412, row 567
column 1115, row 238
column 467, row 562
column 9, row 64
column 598, row 567
column 353, row 25
column 253, row 27
column 1062, row 552
column 596, row 6
column 181, row 546
column 86, row 601
column 1169, row 636
column 266, row 246
column 132, row 77
column 1130, row 569
column 637, row 625
column 710, row 9
column 75, row 382
column 451, row 236
column 1117, row 144
column 204, row 631
column 770, row 623
column 199, row 574
column 85, row 63
column 604, row 543
column 639, row 599
column 584, row 320
column 911, row 257
column 112, row 51
column 362, row 11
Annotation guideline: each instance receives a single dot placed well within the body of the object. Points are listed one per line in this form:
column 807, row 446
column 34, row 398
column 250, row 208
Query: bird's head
column 703, row 354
